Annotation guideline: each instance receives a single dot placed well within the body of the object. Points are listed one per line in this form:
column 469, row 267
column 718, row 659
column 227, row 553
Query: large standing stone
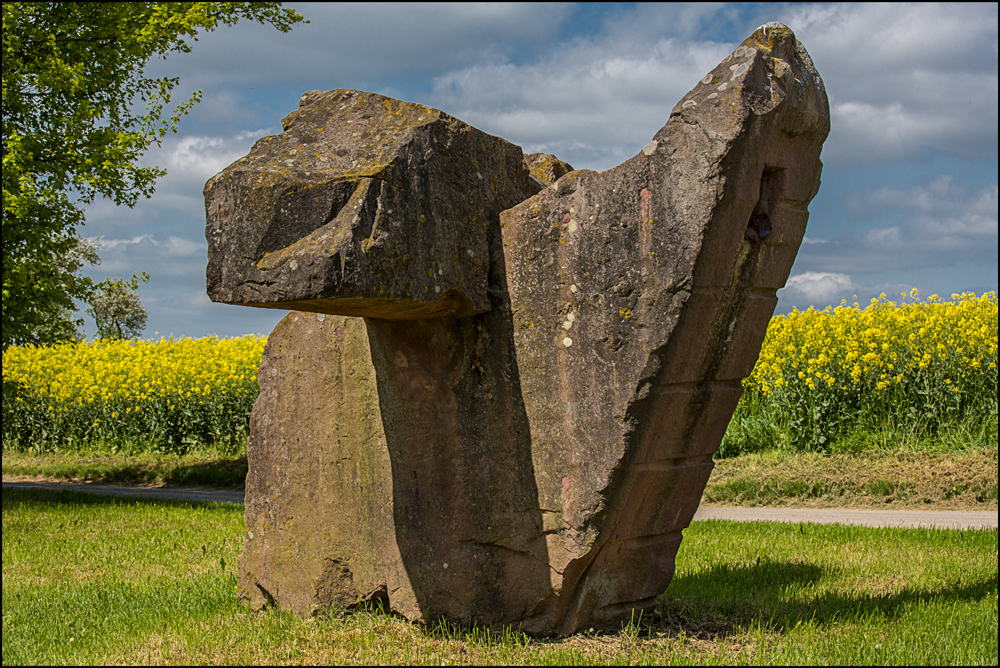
column 528, row 448
column 319, row 524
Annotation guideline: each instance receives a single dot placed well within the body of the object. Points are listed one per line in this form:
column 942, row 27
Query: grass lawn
column 98, row 580
column 199, row 468
column 961, row 479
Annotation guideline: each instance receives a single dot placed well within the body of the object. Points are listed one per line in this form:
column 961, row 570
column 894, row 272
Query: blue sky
column 909, row 194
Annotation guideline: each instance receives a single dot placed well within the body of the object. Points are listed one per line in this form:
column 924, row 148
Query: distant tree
column 51, row 320
column 117, row 310
column 73, row 78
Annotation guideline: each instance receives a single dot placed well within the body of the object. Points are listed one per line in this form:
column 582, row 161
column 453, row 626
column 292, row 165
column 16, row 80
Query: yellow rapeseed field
column 882, row 346
column 167, row 394
column 928, row 362
column 820, row 373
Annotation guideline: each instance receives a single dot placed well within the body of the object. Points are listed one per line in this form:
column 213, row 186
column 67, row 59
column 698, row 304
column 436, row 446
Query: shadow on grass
column 727, row 597
column 221, row 472
column 727, row 601
column 14, row 496
column 218, row 471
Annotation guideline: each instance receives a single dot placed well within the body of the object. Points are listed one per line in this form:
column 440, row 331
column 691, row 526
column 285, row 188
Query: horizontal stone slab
column 363, row 206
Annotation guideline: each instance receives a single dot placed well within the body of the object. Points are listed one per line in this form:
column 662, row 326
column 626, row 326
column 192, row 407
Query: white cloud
column 820, row 289
column 883, row 237
column 365, row 41
column 198, row 300
column 938, row 223
column 903, row 77
column 594, row 103
column 816, row 287
column 201, row 158
column 171, row 247
column 177, row 247
column 112, row 244
column 943, row 208
column 103, row 216
column 191, row 160
column 940, row 216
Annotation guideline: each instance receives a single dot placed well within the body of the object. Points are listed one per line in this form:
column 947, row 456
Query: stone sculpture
column 523, row 420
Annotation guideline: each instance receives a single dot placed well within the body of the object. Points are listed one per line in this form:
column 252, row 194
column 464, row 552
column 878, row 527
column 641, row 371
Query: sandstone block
column 364, row 205
column 546, row 168
column 528, row 447
column 319, row 529
column 640, row 297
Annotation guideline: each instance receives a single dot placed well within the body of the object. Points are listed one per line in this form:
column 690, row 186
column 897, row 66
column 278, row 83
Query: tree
column 53, row 320
column 116, row 309
column 72, row 78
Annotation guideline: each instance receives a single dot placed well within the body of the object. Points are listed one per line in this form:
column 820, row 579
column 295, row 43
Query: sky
column 909, row 187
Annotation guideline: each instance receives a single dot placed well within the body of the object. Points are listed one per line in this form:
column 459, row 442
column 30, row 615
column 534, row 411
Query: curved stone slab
column 640, row 298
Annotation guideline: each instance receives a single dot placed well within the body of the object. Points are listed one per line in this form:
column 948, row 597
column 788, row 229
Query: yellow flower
column 893, row 341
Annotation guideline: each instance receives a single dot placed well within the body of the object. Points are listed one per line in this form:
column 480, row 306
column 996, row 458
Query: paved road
column 944, row 519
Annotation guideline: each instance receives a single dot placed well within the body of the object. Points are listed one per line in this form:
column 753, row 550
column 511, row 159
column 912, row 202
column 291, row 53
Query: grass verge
column 963, row 480
column 203, row 468
column 958, row 480
column 100, row 580
column 760, row 425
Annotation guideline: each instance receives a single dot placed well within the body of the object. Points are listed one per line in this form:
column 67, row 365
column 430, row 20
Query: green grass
column 98, row 580
column 203, row 467
column 763, row 425
column 839, row 594
column 964, row 480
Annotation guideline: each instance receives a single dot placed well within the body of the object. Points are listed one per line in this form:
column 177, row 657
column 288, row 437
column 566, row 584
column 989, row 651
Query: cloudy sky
column 909, row 194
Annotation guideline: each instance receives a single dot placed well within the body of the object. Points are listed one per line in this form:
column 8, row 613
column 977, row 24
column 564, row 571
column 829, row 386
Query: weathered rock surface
column 319, row 528
column 640, row 297
column 546, row 168
column 531, row 453
column 364, row 205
